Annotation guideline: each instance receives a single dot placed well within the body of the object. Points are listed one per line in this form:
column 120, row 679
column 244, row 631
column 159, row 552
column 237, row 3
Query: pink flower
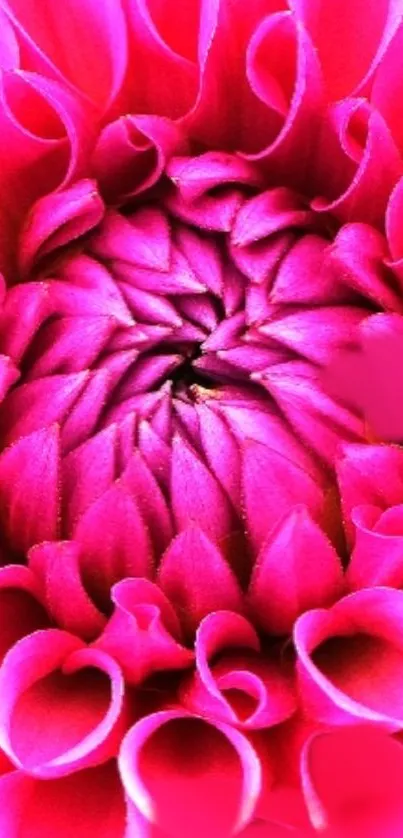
column 201, row 604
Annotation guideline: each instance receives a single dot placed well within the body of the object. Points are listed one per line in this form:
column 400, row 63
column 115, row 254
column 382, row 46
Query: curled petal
column 143, row 633
column 377, row 557
column 209, row 788
column 76, row 42
column 350, row 659
column 233, row 682
column 63, row 705
column 369, row 474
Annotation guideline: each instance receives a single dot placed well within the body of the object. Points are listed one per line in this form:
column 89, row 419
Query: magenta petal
column 141, row 483
column 62, row 705
column 197, row 497
column 377, row 557
column 30, row 470
column 369, row 474
column 209, row 788
column 194, row 176
column 224, row 669
column 58, row 219
column 142, row 240
column 269, row 213
column 350, row 659
column 222, row 452
column 87, row 473
column 272, row 486
column 57, row 564
column 352, row 782
column 143, row 633
column 122, row 550
column 197, row 579
column 22, row 608
column 89, row 802
column 297, row 569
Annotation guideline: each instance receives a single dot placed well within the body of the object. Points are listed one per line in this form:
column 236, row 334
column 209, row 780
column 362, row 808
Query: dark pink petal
column 141, row 483
column 315, row 417
column 8, row 375
column 377, row 557
column 197, row 579
column 156, row 453
column 268, row 213
column 333, row 327
column 51, row 133
column 297, row 569
column 122, row 548
column 87, row 473
column 268, row 428
column 190, row 777
column 142, row 239
column 40, row 403
column 88, row 289
column 29, row 489
column 143, row 634
column 222, row 451
column 70, row 345
column 58, row 219
column 89, row 802
column 357, row 257
column 194, row 176
column 131, row 153
column 369, row 165
column 197, row 497
column 305, row 277
column 77, row 42
column 350, row 659
column 352, row 781
column 233, row 683
column 349, row 52
column 63, row 704
column 272, row 486
column 369, row 474
column 57, row 565
column 22, row 608
column 25, row 309
column 210, row 212
column 260, row 260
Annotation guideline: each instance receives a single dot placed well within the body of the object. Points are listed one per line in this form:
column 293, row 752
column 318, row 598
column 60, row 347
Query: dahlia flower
column 201, row 581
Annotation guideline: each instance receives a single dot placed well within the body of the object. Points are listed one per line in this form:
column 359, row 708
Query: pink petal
column 297, row 569
column 109, row 555
column 352, row 782
column 231, row 685
column 197, row 497
column 29, row 470
column 194, row 176
column 369, row 474
column 89, row 802
column 141, row 483
column 77, row 42
column 62, row 705
column 142, row 240
column 21, row 606
column 377, row 557
column 58, row 219
column 268, row 213
column 350, row 659
column 210, row 788
column 272, row 486
column 196, row 578
column 57, row 564
column 143, row 633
